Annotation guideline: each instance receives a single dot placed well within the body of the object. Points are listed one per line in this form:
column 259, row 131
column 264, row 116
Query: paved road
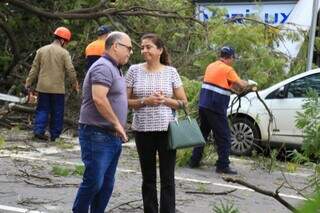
column 27, row 183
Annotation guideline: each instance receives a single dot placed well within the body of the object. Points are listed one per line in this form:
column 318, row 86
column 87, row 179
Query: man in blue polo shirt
column 103, row 117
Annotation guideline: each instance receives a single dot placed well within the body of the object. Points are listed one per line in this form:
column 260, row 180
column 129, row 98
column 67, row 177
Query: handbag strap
column 181, row 106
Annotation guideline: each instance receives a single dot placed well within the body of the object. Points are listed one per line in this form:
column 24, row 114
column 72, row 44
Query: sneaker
column 226, row 170
column 193, row 164
column 41, row 137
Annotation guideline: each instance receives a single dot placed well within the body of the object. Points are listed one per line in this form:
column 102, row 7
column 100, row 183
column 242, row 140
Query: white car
column 250, row 125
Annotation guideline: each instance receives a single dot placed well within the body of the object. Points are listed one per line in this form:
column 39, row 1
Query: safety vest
column 215, row 91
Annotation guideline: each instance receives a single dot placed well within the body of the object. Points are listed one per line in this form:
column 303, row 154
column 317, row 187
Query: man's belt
column 107, row 130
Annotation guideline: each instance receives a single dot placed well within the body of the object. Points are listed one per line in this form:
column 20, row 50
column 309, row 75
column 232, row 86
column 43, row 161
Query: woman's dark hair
column 164, row 58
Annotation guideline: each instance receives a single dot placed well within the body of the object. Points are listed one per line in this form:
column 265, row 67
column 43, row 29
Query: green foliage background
column 309, row 122
column 192, row 46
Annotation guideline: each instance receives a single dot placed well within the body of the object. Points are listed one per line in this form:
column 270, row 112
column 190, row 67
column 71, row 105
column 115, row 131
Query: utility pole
column 312, row 34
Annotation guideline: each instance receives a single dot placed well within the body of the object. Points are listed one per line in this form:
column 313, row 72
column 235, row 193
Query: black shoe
column 193, row 164
column 226, row 170
column 41, row 137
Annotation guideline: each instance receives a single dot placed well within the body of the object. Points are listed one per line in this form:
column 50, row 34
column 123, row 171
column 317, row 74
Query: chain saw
column 31, row 98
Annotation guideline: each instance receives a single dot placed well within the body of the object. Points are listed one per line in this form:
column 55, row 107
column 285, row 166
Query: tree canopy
column 28, row 25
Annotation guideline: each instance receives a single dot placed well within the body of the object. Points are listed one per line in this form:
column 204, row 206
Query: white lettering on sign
column 270, row 13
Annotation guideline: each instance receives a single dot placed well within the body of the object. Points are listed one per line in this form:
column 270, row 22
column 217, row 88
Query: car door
column 285, row 104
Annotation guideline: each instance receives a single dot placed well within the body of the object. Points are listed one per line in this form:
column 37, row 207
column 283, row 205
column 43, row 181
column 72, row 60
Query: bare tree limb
column 34, row 201
column 21, row 108
column 52, row 185
column 14, row 45
column 290, row 186
column 122, row 204
column 3, row 16
column 211, row 193
column 133, row 11
column 278, row 189
column 274, row 195
column 25, row 173
column 91, row 9
column 241, row 18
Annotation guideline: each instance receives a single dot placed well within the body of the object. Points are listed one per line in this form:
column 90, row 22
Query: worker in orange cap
column 219, row 80
column 96, row 49
column 50, row 65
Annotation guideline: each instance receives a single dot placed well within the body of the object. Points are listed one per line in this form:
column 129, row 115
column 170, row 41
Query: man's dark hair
column 227, row 52
column 104, row 29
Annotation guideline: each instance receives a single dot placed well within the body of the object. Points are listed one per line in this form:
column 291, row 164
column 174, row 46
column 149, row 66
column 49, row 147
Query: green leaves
column 65, row 171
column 2, row 141
column 311, row 206
column 192, row 88
column 225, row 208
column 60, row 171
column 309, row 122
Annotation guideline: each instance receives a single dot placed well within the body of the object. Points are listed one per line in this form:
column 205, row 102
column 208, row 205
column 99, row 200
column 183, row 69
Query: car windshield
column 299, row 87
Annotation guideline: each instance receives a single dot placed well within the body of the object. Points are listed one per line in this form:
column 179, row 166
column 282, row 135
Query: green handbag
column 184, row 133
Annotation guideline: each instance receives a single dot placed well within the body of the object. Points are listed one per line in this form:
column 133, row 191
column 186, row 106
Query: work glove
column 252, row 85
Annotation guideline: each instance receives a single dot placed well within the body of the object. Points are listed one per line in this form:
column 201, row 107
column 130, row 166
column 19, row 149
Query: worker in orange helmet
column 50, row 65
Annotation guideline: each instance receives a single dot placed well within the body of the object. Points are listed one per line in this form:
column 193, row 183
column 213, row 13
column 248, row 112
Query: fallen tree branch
column 274, row 195
column 211, row 193
column 5, row 124
column 17, row 148
column 21, row 108
column 53, row 185
column 27, row 174
column 291, row 186
column 3, row 112
column 34, row 201
column 6, row 121
column 122, row 204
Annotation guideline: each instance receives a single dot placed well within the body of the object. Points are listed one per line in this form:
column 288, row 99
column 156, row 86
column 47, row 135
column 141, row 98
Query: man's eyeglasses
column 128, row 47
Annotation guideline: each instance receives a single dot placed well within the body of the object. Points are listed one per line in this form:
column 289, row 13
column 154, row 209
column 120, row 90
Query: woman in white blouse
column 154, row 90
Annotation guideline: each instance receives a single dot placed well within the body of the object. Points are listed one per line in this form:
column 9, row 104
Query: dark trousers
column 49, row 105
column 148, row 144
column 218, row 123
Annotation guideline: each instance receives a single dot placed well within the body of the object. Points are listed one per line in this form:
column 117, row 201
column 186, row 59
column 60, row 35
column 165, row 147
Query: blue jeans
column 53, row 105
column 100, row 151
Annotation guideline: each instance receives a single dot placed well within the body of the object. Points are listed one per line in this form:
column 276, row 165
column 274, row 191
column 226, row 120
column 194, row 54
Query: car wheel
column 243, row 136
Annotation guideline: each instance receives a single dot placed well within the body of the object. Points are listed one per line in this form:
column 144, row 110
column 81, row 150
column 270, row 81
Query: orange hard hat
column 63, row 32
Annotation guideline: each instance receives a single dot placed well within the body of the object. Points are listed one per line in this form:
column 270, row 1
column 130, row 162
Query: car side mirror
column 281, row 93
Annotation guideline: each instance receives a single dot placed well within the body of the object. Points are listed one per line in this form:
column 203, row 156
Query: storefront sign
column 271, row 13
